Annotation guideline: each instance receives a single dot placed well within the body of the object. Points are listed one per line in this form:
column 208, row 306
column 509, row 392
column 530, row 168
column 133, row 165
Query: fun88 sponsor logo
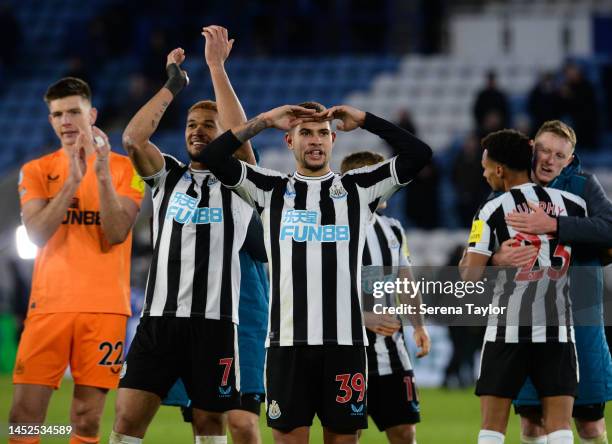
column 301, row 226
column 184, row 209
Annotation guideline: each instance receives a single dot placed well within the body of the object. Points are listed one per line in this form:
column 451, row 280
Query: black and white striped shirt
column 198, row 228
column 536, row 296
column 314, row 229
column 386, row 246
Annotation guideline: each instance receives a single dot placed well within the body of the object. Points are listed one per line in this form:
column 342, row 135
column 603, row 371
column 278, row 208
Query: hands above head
column 177, row 78
column 287, row 117
column 217, row 47
column 349, row 116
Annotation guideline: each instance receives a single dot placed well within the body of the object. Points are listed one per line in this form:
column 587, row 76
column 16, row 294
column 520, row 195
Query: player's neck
column 515, row 180
column 197, row 166
column 313, row 173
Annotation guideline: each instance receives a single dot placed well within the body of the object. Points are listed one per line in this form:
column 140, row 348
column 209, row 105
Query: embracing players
column 534, row 337
column 557, row 165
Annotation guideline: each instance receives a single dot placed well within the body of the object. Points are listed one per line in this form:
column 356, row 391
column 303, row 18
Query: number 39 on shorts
column 349, row 384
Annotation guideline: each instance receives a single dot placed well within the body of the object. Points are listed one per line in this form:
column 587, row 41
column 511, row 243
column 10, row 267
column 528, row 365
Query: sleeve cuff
column 151, row 179
column 479, row 251
column 232, row 139
column 394, row 174
column 243, row 174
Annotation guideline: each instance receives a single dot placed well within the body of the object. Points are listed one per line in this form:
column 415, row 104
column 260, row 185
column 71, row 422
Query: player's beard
column 315, row 167
column 197, row 155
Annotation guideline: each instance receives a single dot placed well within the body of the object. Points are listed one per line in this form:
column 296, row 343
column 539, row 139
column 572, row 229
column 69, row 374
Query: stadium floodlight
column 25, row 247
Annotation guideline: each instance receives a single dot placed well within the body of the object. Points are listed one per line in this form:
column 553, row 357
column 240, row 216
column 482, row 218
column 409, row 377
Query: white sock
column 601, row 439
column 490, row 437
column 216, row 439
column 118, row 438
column 561, row 437
column 533, row 439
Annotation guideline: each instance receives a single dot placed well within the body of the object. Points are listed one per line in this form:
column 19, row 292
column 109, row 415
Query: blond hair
column 560, row 129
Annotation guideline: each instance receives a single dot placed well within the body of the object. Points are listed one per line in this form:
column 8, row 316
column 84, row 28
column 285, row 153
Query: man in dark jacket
column 557, row 166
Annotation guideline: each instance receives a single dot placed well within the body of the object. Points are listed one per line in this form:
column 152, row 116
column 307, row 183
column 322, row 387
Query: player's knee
column 127, row 422
column 243, row 428
column 590, row 429
column 25, row 412
column 342, row 439
column 242, row 422
column 208, row 423
column 86, row 420
column 331, row 436
column 403, row 434
column 554, row 423
column 494, row 422
column 532, row 426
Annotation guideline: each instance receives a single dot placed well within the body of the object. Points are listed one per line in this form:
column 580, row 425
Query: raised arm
column 231, row 114
column 117, row 213
column 218, row 155
column 412, row 153
column 145, row 156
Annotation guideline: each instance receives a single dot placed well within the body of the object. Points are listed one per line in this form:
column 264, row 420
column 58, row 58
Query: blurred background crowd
column 449, row 71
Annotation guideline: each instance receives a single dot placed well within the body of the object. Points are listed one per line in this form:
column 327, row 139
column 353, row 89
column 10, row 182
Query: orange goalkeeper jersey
column 78, row 270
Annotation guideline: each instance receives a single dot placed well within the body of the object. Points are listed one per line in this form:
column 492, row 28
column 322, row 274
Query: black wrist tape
column 177, row 79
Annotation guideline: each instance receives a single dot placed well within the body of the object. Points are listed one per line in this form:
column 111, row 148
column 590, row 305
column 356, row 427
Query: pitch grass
column 448, row 417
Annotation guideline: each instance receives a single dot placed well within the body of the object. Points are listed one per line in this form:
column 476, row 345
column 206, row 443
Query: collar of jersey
column 192, row 170
column 299, row 176
column 524, row 185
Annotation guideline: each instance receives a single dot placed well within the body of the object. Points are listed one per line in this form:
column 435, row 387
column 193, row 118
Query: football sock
column 560, row 437
column 118, row 438
column 533, row 439
column 78, row 439
column 217, row 439
column 601, row 439
column 490, row 437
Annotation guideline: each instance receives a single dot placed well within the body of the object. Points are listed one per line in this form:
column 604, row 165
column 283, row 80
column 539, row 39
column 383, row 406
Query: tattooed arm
column 145, row 156
column 218, row 154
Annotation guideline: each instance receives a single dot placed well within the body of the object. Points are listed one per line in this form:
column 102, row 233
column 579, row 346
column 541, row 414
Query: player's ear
column 93, row 115
column 333, row 135
column 499, row 171
column 289, row 140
